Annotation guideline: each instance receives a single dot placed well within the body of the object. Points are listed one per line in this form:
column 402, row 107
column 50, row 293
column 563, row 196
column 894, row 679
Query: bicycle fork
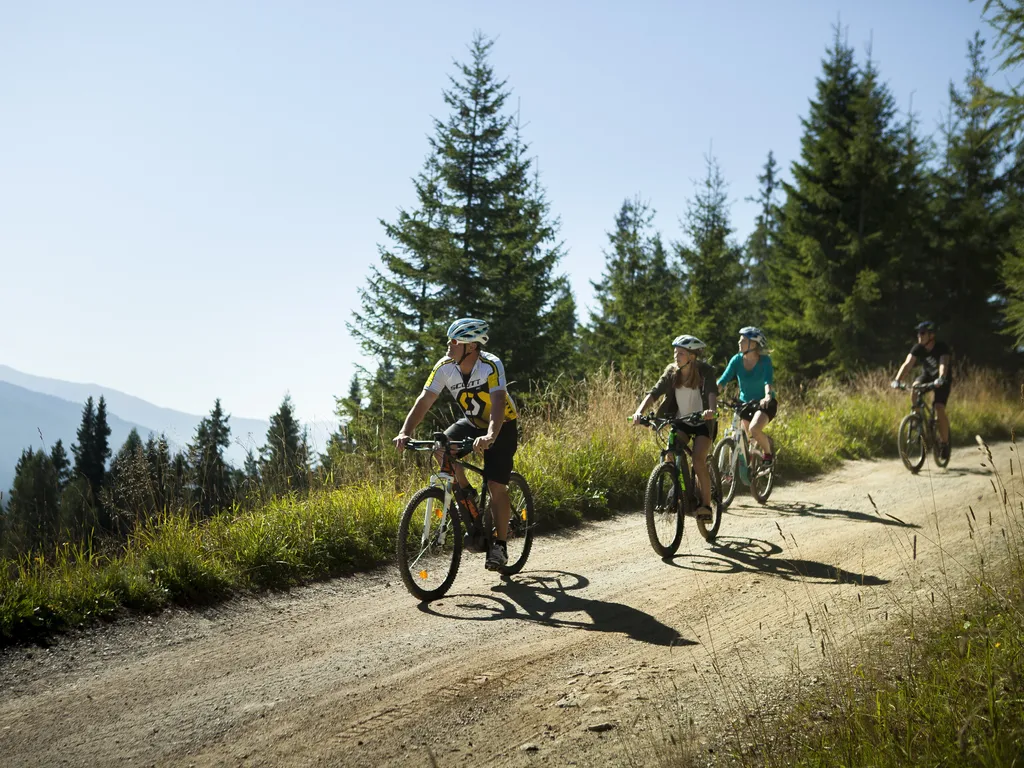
column 431, row 513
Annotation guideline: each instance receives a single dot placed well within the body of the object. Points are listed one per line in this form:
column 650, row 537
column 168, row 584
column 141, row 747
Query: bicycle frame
column 444, row 478
column 926, row 411
column 739, row 434
column 674, row 444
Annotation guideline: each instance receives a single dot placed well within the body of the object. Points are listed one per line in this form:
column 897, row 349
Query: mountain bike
column 737, row 459
column 672, row 491
column 430, row 532
column 918, row 432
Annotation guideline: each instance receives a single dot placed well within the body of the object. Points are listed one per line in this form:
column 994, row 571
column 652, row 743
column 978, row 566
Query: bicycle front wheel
column 521, row 523
column 910, row 440
column 709, row 528
column 941, row 460
column 429, row 545
column 724, row 460
column 662, row 507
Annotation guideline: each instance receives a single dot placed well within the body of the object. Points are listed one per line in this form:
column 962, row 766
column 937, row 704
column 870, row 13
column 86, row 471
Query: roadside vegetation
column 582, row 458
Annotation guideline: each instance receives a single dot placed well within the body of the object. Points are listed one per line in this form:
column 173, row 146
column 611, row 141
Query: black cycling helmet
column 925, row 325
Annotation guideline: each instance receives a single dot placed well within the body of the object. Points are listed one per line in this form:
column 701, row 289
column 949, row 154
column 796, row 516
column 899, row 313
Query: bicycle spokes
column 429, row 545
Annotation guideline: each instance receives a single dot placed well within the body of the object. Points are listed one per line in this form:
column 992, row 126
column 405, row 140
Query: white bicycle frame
column 737, row 433
column 437, row 480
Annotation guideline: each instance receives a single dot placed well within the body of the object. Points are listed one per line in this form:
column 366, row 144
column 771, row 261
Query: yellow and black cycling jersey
column 473, row 391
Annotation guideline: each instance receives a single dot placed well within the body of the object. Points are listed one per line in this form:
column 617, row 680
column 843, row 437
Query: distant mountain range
column 36, row 411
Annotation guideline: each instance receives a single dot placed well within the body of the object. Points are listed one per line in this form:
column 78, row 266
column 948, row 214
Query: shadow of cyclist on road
column 545, row 597
column 813, row 509
column 742, row 554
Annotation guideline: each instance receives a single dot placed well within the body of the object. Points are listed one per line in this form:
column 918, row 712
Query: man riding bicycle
column 476, row 380
column 934, row 357
column 752, row 368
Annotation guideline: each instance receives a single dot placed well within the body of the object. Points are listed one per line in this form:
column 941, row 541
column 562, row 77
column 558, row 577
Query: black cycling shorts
column 751, row 408
column 941, row 393
column 497, row 458
column 702, row 429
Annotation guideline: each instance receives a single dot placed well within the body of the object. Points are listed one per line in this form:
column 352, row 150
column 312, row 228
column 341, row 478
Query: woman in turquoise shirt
column 752, row 369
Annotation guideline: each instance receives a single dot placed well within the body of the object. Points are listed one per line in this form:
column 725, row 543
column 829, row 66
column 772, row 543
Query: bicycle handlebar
column 694, row 419
column 440, row 442
column 921, row 387
column 736, row 404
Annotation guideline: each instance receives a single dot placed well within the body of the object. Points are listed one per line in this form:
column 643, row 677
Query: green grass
column 582, row 460
column 943, row 686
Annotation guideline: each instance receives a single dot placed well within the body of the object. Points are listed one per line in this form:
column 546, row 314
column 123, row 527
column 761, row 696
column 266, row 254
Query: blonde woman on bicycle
column 753, row 371
column 688, row 386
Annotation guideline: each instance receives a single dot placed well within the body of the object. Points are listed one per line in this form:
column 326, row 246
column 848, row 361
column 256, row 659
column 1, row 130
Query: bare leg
column 757, row 425
column 943, row 421
column 701, row 446
column 500, row 508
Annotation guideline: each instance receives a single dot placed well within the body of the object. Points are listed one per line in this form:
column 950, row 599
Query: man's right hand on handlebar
column 897, row 384
column 400, row 441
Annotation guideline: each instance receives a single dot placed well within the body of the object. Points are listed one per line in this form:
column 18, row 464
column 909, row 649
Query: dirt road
column 570, row 663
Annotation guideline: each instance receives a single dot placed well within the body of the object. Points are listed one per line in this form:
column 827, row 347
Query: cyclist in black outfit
column 935, row 358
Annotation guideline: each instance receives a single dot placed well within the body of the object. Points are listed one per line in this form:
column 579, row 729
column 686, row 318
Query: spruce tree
column 711, row 264
column 975, row 220
column 83, row 448
column 763, row 241
column 834, row 280
column 34, row 505
column 480, row 243
column 285, row 466
column 210, row 473
column 1007, row 18
column 638, row 298
column 61, row 464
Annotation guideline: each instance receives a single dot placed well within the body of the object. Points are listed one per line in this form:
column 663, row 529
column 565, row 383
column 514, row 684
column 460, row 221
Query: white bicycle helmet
column 754, row 334
column 468, row 330
column 691, row 343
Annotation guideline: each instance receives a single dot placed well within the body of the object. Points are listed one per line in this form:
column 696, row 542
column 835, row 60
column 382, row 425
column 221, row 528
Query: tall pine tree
column 834, row 280
column 711, row 263
column 286, row 455
column 638, row 298
column 974, row 218
column 481, row 243
column 210, row 473
column 91, row 453
column 34, row 506
column 762, row 242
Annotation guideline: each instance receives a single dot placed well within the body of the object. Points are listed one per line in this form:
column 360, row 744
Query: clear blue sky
column 190, row 192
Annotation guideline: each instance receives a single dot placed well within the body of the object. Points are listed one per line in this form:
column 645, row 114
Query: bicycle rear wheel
column 429, row 545
column 663, row 510
column 521, row 523
column 709, row 528
column 723, row 460
column 911, row 443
